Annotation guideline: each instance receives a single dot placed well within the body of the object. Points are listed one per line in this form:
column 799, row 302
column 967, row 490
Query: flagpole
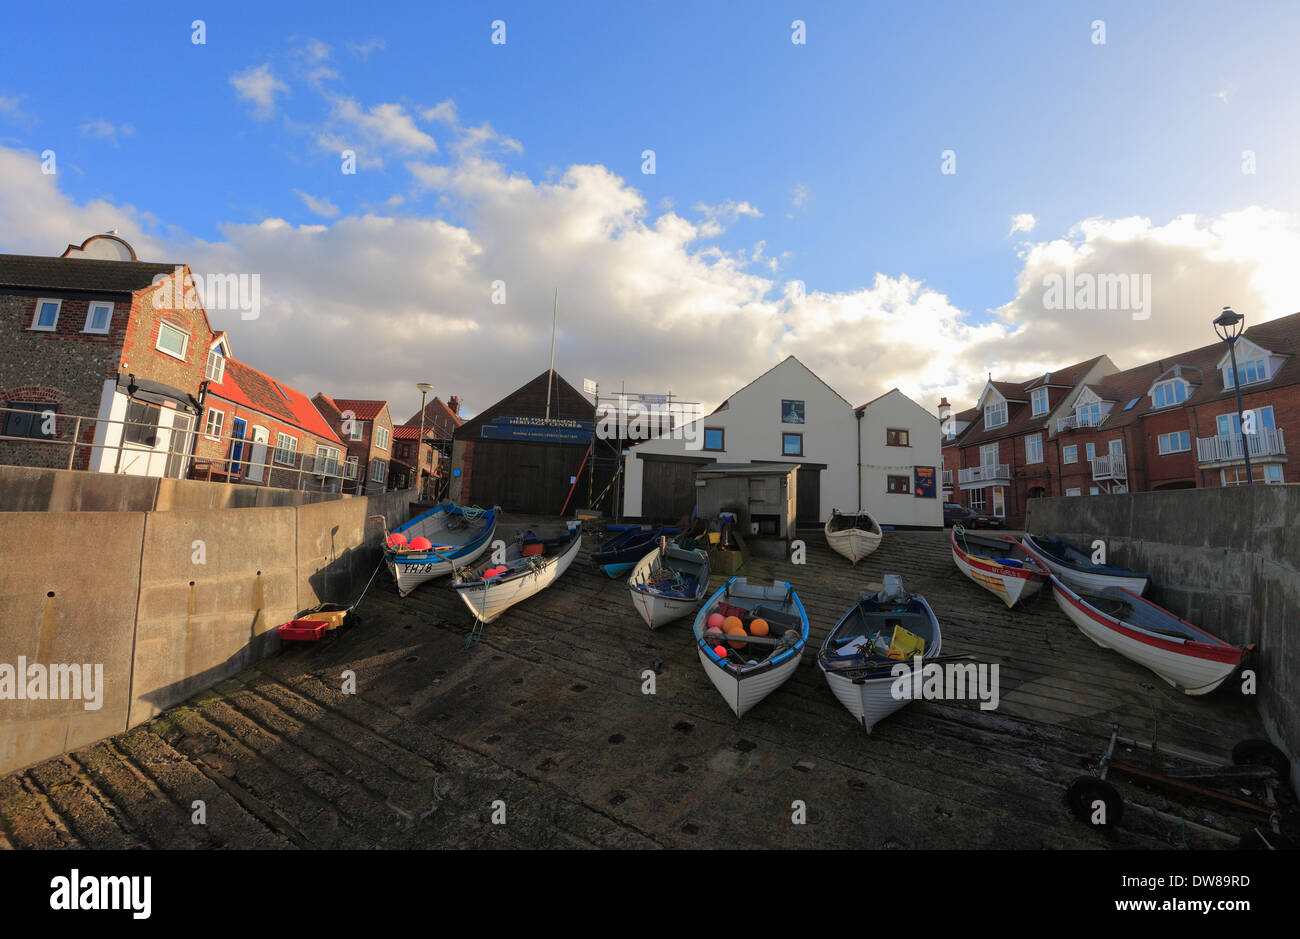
column 550, row 376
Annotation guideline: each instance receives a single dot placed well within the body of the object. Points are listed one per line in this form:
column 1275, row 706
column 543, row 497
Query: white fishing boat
column 531, row 564
column 873, row 648
column 997, row 563
column 1187, row 657
column 854, row 536
column 1076, row 567
column 755, row 643
column 430, row 545
column 667, row 583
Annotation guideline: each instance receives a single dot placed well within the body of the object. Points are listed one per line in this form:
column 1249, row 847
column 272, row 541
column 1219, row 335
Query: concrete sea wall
column 1225, row 559
column 168, row 602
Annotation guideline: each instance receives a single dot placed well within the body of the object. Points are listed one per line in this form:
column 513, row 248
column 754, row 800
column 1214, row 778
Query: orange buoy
column 397, row 540
column 758, row 627
column 421, row 544
column 734, row 629
column 731, row 623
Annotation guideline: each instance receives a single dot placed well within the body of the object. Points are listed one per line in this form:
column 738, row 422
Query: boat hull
column 852, row 543
column 742, row 692
column 655, row 608
column 1192, row 668
column 1008, row 584
column 488, row 599
column 411, row 569
column 1088, row 580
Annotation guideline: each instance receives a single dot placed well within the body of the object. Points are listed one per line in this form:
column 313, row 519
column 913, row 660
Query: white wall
column 752, row 420
column 136, row 460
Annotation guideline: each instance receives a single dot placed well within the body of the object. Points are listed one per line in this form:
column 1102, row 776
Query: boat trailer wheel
column 1262, row 753
column 1095, row 802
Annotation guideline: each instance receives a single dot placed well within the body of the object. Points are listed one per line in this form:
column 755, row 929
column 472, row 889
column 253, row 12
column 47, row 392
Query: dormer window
column 1088, row 415
column 1168, row 393
column 1039, row 399
column 995, row 414
column 1248, row 372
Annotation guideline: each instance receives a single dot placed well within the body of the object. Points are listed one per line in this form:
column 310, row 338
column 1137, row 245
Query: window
column 1177, row 442
column 1034, row 448
column 1088, row 415
column 791, row 412
column 999, row 502
column 979, row 500
column 1272, row 473
column 327, row 461
column 1093, row 491
column 173, row 341
column 1230, row 426
column 714, row 437
column 381, row 437
column 1091, row 451
column 1248, row 372
column 995, row 415
column 47, row 314
column 1070, row 454
column 899, row 484
column 378, row 471
column 1169, row 393
column 1074, row 491
column 215, row 424
column 142, row 423
column 989, row 454
column 286, row 449
column 99, row 315
column 1039, row 399
column 792, row 444
column 356, row 428
column 897, row 438
column 216, row 367
column 18, row 422
column 351, row 471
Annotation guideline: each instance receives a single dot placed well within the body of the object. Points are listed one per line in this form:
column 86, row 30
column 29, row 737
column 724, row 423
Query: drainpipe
column 858, row 415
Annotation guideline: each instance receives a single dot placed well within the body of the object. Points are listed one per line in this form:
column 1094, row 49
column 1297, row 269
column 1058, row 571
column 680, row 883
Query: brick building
column 366, row 429
column 1167, row 424
column 440, row 423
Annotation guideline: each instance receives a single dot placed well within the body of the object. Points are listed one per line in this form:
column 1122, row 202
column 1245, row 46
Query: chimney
column 453, row 404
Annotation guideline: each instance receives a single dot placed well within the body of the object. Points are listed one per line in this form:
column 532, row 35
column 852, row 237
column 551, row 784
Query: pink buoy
column 720, row 651
column 716, row 620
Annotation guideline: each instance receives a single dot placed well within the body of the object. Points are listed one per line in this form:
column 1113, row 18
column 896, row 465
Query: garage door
column 522, row 477
column 667, row 490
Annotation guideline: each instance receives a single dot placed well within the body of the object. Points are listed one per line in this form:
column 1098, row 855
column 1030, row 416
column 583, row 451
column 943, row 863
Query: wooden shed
column 763, row 496
column 513, row 456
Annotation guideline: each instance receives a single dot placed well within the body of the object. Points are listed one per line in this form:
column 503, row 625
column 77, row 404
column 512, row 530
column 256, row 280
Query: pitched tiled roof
column 244, row 385
column 85, row 274
column 1020, row 413
column 362, row 409
column 437, row 416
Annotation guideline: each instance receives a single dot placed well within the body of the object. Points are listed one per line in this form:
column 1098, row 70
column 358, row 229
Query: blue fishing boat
column 621, row 553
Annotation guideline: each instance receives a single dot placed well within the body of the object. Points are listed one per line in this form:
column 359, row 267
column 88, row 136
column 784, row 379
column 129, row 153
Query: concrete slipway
column 547, row 715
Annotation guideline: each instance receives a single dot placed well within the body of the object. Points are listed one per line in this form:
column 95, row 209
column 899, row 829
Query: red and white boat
column 1192, row 660
column 999, row 564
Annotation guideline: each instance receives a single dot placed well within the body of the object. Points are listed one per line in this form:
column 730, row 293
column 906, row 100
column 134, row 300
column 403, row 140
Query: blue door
column 237, row 429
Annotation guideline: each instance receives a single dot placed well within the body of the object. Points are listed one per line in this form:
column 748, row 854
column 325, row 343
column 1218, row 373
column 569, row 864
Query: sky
column 883, row 200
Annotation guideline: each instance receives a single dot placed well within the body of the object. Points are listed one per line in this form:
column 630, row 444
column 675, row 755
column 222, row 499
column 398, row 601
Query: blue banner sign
column 923, row 485
column 538, row 430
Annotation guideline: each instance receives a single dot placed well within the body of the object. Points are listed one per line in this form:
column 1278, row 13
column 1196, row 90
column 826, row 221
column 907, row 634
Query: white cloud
column 258, row 86
column 799, row 195
column 105, row 130
column 321, row 206
column 444, row 111
column 383, row 127
column 362, row 50
column 1022, row 222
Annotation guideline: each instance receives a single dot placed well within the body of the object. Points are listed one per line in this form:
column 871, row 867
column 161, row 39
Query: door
column 257, row 453
column 999, row 502
column 808, row 497
column 667, row 490
column 989, row 454
column 238, row 427
column 180, row 445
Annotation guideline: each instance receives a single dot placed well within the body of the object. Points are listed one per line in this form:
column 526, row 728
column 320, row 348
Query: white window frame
column 220, row 424
column 1086, row 409
column 378, row 471
column 1163, row 439
column 1175, row 383
column 1090, row 451
column 984, row 452
column 999, row 502
column 1070, row 453
column 352, row 464
column 1034, row 397
column 326, row 455
column 185, row 340
column 1268, row 469
column 220, row 369
column 1094, row 491
column 1074, row 491
column 36, row 317
column 90, row 317
column 280, row 447
column 979, row 500
column 358, row 431
column 1038, row 440
column 381, row 437
column 1000, row 408
column 1243, row 364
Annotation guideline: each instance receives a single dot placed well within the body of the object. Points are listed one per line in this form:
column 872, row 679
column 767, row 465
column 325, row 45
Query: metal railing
column 1109, row 466
column 1077, row 421
column 145, row 448
column 1227, row 448
column 985, row 473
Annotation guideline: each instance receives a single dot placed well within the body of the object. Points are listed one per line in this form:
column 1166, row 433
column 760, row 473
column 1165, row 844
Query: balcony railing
column 1075, row 422
column 989, row 472
column 1110, row 466
column 1227, row 449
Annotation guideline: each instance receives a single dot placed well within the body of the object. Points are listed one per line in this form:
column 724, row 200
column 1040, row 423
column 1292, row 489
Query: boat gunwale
column 549, row 562
column 1036, row 573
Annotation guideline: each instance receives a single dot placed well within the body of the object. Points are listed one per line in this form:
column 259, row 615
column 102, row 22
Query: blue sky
column 1044, row 121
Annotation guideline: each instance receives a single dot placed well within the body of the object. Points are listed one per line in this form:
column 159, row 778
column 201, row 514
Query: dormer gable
column 1255, row 364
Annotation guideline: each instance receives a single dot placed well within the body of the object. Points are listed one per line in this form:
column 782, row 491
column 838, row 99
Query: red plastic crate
column 303, row 630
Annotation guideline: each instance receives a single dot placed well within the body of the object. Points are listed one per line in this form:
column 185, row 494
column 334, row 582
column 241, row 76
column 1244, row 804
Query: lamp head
column 424, row 387
column 1228, row 325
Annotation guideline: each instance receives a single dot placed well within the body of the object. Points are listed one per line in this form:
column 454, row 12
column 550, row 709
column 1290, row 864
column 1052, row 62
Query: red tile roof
column 244, row 385
column 437, row 417
column 1020, row 414
column 362, row 409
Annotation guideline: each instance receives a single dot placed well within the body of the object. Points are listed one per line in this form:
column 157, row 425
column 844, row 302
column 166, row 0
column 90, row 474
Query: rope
column 959, row 530
column 473, row 511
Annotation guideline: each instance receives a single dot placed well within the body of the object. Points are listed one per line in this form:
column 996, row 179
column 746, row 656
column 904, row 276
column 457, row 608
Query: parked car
column 969, row 518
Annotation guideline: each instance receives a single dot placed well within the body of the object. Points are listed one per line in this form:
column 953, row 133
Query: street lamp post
column 425, row 388
column 1228, row 325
